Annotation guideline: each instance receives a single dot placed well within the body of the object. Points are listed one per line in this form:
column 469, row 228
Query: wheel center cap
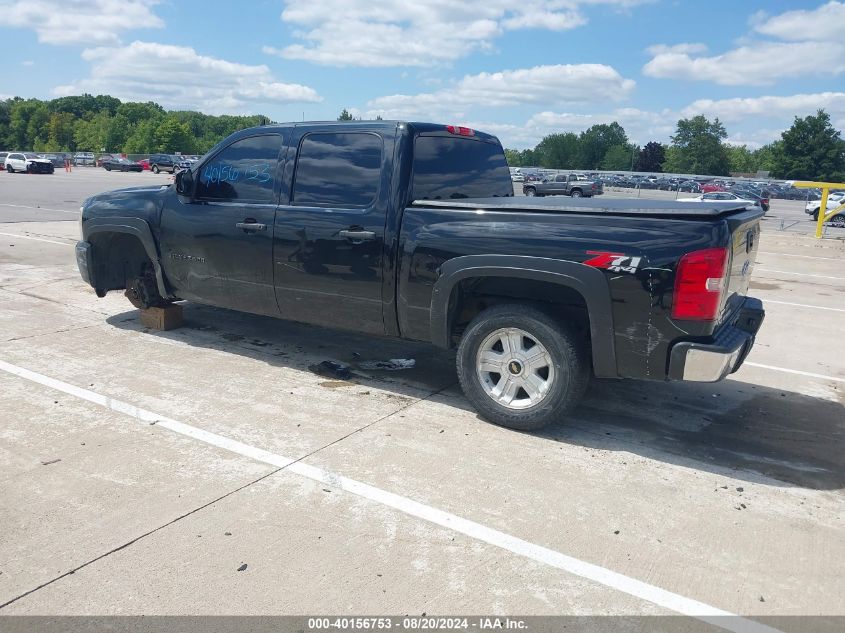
column 515, row 367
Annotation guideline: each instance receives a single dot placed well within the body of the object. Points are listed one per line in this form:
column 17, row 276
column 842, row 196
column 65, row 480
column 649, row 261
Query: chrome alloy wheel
column 514, row 368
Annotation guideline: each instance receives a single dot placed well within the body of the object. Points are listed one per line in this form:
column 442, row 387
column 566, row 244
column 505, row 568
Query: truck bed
column 610, row 206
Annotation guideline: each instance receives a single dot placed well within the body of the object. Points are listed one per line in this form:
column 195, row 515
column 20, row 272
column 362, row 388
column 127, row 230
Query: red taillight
column 462, row 131
column 699, row 283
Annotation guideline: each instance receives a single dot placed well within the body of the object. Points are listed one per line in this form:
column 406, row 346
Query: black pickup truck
column 411, row 230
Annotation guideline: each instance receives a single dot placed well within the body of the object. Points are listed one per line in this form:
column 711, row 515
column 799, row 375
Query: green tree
column 172, row 136
column 651, row 157
column 60, row 131
column 92, row 135
column 699, row 147
column 514, row 157
column 741, row 159
column 767, row 157
column 812, row 149
column 558, row 151
column 617, row 158
column 595, row 142
column 345, row 116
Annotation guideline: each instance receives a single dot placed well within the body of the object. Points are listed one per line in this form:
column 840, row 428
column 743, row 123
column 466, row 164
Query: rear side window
column 449, row 168
column 244, row 171
column 338, row 169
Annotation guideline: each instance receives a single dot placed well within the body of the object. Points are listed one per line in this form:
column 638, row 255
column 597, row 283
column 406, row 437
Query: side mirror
column 185, row 182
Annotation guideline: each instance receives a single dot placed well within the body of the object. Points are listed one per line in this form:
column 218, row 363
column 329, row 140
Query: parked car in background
column 563, row 185
column 28, row 162
column 58, row 160
column 184, row 162
column 163, row 162
column 761, row 198
column 813, row 207
column 104, row 157
column 145, row 164
column 83, row 158
column 690, row 186
column 3, row 158
column 710, row 187
column 121, row 164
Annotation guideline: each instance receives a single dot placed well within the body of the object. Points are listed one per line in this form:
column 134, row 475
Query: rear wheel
column 576, row 193
column 531, row 192
column 154, row 169
column 522, row 368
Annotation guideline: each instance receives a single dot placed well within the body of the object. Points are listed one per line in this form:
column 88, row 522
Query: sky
column 519, row 69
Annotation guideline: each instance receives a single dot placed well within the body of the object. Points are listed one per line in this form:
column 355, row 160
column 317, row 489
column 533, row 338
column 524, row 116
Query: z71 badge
column 614, row 262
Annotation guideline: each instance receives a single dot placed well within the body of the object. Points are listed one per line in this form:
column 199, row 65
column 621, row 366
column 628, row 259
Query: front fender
column 130, row 226
column 589, row 282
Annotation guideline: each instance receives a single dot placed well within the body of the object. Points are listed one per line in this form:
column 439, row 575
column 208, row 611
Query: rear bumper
column 712, row 361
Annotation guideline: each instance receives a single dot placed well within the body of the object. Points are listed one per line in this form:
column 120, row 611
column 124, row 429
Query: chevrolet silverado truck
column 411, row 230
column 564, row 185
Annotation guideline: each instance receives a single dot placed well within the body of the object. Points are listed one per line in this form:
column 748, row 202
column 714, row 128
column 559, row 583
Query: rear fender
column 589, row 282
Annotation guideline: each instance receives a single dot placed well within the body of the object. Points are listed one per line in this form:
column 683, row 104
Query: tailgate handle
column 749, row 241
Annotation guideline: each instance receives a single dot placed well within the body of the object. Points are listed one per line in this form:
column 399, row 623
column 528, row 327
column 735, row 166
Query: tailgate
column 745, row 238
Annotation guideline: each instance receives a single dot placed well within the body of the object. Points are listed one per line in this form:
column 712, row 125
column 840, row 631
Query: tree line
column 106, row 124
column 811, row 149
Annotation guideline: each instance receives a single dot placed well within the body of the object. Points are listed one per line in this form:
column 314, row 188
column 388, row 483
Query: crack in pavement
column 135, row 540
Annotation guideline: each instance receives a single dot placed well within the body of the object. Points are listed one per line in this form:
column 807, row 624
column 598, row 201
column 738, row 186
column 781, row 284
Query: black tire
column 154, row 169
column 816, row 215
column 10, row 169
column 568, row 358
column 142, row 291
column 576, row 193
column 531, row 192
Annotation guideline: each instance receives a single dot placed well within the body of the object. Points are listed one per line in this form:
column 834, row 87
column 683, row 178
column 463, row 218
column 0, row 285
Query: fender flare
column 589, row 282
column 130, row 226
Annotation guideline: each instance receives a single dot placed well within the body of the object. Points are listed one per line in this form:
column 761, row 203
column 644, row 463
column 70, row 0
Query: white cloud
column 179, row 77
column 767, row 107
column 824, row 23
column 752, row 65
column 806, row 43
column 382, row 33
column 548, row 85
column 27, row 62
column 79, row 21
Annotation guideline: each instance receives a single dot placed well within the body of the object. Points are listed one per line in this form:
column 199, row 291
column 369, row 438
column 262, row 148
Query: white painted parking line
column 606, row 577
column 794, row 371
column 832, row 259
column 37, row 239
column 24, row 206
column 804, row 305
column 790, row 272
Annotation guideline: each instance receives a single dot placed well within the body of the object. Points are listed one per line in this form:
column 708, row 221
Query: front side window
column 244, row 171
column 340, row 169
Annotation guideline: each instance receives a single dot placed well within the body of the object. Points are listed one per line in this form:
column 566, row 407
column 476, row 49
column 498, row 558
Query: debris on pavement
column 331, row 369
column 242, row 567
column 392, row 364
column 52, row 461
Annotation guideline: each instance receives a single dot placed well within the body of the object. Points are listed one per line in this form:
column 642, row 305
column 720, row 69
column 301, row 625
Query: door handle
column 357, row 236
column 251, row 226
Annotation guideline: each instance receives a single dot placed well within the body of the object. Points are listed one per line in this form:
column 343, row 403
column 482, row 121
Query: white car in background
column 833, row 201
column 28, row 162
column 720, row 196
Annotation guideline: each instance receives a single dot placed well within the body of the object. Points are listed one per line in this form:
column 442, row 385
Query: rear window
column 454, row 167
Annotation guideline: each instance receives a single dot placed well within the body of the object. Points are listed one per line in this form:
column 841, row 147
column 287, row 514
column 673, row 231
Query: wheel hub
column 514, row 368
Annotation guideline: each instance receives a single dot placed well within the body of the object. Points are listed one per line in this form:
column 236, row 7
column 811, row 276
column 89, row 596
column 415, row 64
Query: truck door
column 217, row 245
column 560, row 187
column 329, row 238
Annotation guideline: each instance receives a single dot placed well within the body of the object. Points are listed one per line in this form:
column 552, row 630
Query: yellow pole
column 822, row 211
